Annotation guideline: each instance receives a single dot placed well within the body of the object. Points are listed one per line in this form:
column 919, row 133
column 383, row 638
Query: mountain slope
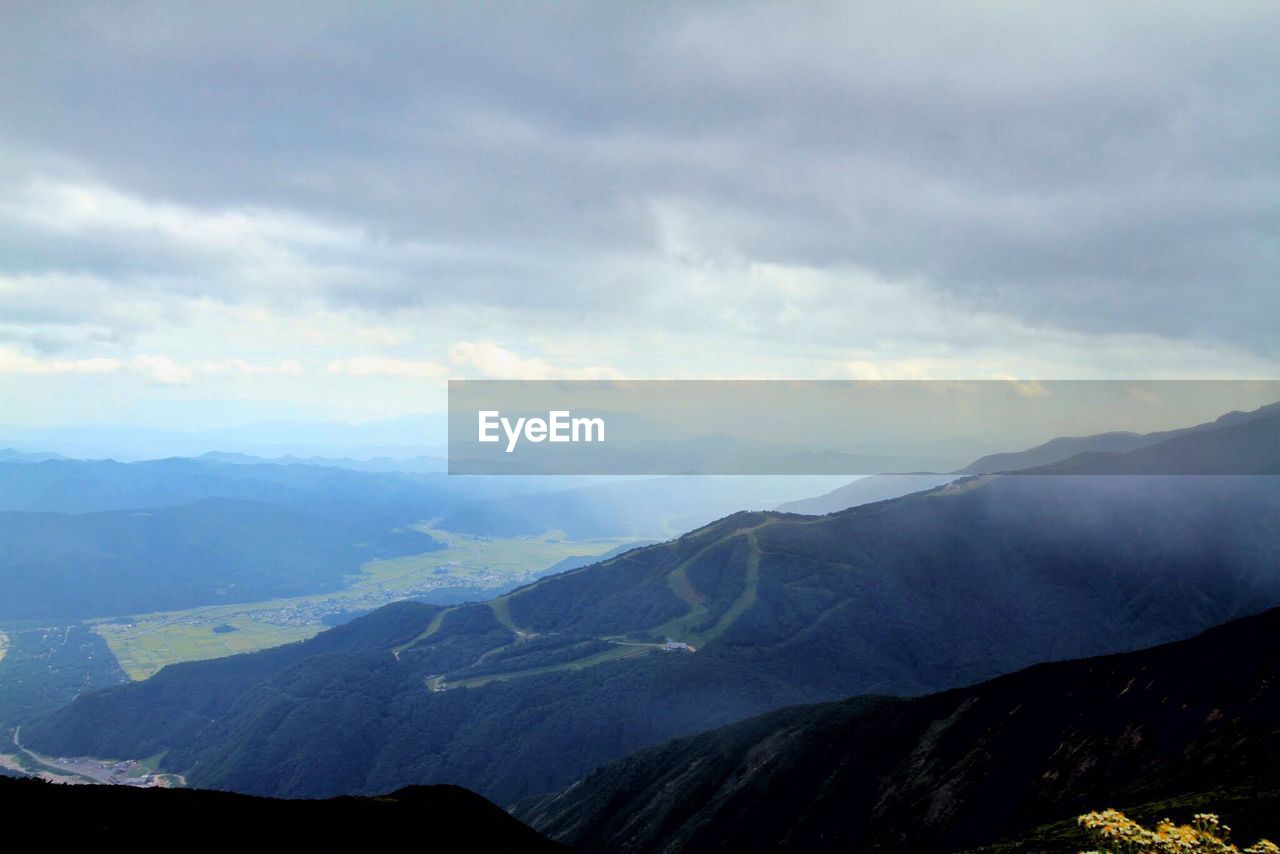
column 953, row 770
column 1044, row 457
column 444, row 818
column 377, row 501
column 59, row 566
column 1244, row 448
column 533, row 690
column 646, row 508
column 877, row 487
column 1113, row 444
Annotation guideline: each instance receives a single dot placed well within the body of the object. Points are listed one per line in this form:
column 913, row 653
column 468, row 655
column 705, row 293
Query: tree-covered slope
column 950, row 771
column 377, row 500
column 59, row 565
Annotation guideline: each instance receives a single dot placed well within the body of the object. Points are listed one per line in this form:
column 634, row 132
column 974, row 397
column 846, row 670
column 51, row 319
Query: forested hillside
column 1188, row 727
column 56, row 566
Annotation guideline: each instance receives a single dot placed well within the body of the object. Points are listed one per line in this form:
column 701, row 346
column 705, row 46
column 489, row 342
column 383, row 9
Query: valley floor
column 479, row 566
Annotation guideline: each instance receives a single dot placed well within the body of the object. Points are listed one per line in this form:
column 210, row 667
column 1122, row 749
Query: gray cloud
column 1096, row 167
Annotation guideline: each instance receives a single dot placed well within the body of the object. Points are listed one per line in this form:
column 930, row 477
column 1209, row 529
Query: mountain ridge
column 761, row 609
column 952, row 770
column 1055, row 452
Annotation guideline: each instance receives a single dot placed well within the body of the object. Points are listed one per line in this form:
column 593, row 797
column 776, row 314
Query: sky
column 215, row 215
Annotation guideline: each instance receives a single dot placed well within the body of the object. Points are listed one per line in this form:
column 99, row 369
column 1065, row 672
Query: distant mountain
column 878, row 487
column 534, row 689
column 579, row 561
column 1195, row 720
column 378, row 501
column 399, row 438
column 58, row 566
column 1243, row 447
column 882, row 487
column 9, row 455
column 442, row 818
column 410, row 465
column 1058, row 450
column 647, row 508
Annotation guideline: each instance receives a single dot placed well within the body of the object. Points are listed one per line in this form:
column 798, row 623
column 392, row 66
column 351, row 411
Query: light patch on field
column 4, row 645
column 145, row 643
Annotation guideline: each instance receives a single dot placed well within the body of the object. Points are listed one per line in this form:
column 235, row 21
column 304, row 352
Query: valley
column 761, row 609
column 468, row 566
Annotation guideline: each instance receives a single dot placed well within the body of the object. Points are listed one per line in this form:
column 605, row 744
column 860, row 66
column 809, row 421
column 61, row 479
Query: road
column 87, row 769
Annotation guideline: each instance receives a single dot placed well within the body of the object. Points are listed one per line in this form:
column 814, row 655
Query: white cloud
column 13, row 361
column 161, row 369
column 496, row 362
column 386, row 366
column 239, row 367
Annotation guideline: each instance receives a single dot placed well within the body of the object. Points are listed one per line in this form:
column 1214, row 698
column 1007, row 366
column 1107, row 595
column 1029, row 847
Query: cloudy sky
column 222, row 213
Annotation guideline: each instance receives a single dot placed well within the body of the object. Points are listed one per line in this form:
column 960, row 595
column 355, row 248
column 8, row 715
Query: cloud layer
column 595, row 190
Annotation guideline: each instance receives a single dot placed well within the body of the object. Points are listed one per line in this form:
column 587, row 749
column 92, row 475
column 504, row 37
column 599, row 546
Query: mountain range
column 1097, row 451
column 530, row 691
column 58, row 566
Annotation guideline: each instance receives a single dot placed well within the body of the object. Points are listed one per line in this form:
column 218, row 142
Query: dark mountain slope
column 180, row 702
column 953, row 770
column 60, row 566
column 440, row 818
column 531, row 691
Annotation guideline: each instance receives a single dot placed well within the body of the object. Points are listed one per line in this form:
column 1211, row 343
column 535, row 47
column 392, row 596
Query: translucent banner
column 757, row 427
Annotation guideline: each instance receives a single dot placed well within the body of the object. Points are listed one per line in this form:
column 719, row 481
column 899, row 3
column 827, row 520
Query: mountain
column 647, row 508
column 443, row 818
column 1111, row 445
column 67, row 566
column 532, row 690
column 882, row 487
column 1056, row 450
column 579, row 561
column 951, row 771
column 409, row 465
column 9, row 455
column 877, row 487
column 1242, row 448
column 400, row 438
column 380, row 501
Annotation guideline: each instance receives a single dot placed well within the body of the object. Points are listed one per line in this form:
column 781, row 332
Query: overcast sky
column 224, row 212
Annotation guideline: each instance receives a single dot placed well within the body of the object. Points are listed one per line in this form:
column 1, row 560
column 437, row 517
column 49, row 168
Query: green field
column 145, row 643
